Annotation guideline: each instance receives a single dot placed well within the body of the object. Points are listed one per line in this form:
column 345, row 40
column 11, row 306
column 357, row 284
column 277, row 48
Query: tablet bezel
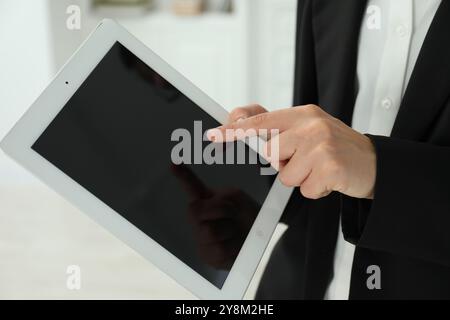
column 17, row 144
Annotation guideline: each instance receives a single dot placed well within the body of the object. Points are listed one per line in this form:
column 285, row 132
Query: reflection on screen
column 114, row 138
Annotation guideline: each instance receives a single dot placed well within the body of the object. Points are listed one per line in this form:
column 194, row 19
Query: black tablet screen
column 114, row 138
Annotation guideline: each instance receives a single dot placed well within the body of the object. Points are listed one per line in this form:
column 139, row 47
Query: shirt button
column 386, row 103
column 402, row 30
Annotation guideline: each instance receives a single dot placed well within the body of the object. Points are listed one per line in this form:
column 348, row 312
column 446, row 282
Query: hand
column 221, row 219
column 317, row 152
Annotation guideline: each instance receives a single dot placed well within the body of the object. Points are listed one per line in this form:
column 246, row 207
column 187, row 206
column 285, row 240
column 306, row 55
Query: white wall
column 210, row 49
column 272, row 36
column 25, row 69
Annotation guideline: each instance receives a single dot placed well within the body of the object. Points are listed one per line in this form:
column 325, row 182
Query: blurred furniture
column 188, row 7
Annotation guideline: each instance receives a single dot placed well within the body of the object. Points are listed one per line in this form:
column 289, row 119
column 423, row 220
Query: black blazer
column 406, row 229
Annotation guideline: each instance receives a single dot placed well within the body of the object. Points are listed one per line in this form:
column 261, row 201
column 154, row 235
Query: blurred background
column 237, row 51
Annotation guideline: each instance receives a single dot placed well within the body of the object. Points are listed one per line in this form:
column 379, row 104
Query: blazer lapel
column 429, row 86
column 337, row 27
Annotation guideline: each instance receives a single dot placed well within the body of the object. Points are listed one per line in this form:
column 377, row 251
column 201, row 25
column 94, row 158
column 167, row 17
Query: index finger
column 279, row 120
column 195, row 188
column 245, row 112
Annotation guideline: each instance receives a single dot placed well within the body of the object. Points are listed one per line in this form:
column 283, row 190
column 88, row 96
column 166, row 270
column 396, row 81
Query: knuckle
column 323, row 130
column 258, row 119
column 240, row 112
column 231, row 127
column 327, row 149
column 256, row 106
column 322, row 126
column 246, row 112
column 341, row 182
column 286, row 180
column 334, row 168
column 335, row 175
column 308, row 192
column 299, row 132
column 260, row 108
column 312, row 109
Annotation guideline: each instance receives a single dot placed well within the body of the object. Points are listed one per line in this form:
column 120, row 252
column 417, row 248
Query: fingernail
column 240, row 119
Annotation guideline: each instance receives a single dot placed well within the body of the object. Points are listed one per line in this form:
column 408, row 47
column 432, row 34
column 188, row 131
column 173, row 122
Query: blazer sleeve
column 410, row 213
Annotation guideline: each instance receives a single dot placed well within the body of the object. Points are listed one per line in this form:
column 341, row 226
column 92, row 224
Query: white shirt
column 391, row 37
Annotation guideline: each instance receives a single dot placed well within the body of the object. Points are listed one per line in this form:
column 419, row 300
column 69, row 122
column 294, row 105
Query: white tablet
column 104, row 135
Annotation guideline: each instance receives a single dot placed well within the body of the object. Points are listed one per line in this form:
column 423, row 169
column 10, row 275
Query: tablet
column 107, row 134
